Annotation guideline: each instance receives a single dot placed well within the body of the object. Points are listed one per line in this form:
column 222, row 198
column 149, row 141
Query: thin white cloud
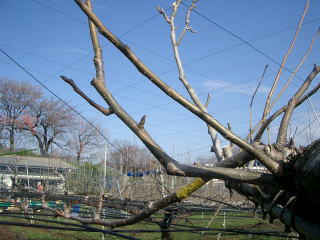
column 103, row 8
column 75, row 50
column 100, row 5
column 225, row 86
column 66, row 50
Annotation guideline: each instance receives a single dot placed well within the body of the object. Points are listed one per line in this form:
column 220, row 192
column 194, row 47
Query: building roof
column 43, row 162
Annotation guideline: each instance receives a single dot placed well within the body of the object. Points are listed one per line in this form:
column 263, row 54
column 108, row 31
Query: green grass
column 40, row 234
column 28, row 233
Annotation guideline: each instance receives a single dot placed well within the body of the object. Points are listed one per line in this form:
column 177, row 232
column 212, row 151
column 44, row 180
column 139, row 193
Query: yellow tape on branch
column 185, row 191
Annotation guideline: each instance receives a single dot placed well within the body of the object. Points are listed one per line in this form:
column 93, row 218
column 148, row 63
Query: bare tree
column 87, row 179
column 85, row 138
column 130, row 157
column 16, row 99
column 48, row 121
column 289, row 191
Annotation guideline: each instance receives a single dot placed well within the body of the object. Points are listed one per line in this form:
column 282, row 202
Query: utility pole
column 27, row 168
column 104, row 178
column 172, row 147
column 105, row 166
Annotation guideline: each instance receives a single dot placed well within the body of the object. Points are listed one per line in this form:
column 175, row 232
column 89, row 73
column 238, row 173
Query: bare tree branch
column 207, row 101
column 98, row 60
column 171, row 166
column 295, row 71
column 285, row 215
column 265, row 111
column 187, row 22
column 230, row 128
column 216, row 148
column 313, row 110
column 251, row 103
column 142, row 122
column 273, row 166
column 152, row 207
column 103, row 110
column 280, row 111
column 282, row 134
column 281, row 159
column 163, row 13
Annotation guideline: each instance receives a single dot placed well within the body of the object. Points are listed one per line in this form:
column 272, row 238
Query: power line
column 221, row 50
column 49, row 90
column 211, row 54
column 201, row 148
column 58, row 11
column 45, row 58
column 31, row 69
column 67, row 15
column 302, row 130
column 200, row 14
column 83, row 22
column 175, row 227
column 67, row 104
column 251, row 40
column 66, row 67
column 242, row 40
column 150, row 106
column 206, row 18
column 22, row 224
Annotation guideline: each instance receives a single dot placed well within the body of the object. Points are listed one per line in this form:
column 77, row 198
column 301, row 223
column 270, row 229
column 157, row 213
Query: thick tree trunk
column 299, row 204
column 11, row 139
column 79, row 154
column 165, row 225
column 306, row 182
column 166, row 236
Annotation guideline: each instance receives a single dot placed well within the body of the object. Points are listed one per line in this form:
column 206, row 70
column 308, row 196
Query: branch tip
column 315, row 66
column 67, row 80
column 142, row 122
column 208, row 101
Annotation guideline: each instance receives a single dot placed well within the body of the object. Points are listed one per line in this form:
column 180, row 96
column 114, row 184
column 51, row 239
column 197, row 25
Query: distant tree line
column 29, row 118
column 129, row 157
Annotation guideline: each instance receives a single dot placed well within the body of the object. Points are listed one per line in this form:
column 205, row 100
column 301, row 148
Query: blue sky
column 50, row 38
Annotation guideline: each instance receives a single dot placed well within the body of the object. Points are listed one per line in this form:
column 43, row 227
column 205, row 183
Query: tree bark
column 306, row 173
column 11, row 139
column 300, row 202
column 165, row 225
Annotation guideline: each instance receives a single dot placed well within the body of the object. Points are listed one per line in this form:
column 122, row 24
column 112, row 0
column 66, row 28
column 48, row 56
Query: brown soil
column 6, row 233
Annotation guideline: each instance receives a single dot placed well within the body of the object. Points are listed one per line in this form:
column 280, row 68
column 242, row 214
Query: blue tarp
column 76, row 208
column 141, row 174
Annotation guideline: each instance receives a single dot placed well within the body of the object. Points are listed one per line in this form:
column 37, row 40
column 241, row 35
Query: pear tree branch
column 105, row 111
column 282, row 134
column 284, row 60
column 266, row 123
column 270, row 164
column 251, row 103
column 295, row 71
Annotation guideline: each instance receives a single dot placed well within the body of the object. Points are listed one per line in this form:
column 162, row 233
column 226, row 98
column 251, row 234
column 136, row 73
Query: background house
column 29, row 171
